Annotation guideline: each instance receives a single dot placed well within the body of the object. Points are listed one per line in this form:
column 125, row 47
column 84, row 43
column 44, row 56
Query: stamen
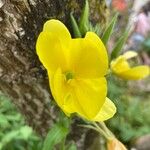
column 69, row 75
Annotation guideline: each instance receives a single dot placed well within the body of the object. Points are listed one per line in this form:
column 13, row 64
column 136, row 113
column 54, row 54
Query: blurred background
column 131, row 124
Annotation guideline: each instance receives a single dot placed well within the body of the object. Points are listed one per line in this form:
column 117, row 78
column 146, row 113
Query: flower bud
column 114, row 144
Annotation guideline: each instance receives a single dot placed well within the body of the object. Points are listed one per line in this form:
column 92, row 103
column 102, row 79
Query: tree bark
column 22, row 77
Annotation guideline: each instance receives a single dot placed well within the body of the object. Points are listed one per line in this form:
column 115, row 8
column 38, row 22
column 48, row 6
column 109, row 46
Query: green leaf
column 9, row 137
column 84, row 21
column 55, row 136
column 75, row 27
column 64, row 120
column 118, row 47
column 95, row 28
column 3, row 121
column 25, row 132
column 71, row 146
column 13, row 117
column 109, row 30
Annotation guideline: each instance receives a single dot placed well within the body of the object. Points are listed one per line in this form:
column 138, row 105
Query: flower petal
column 89, row 57
column 102, row 50
column 135, row 73
column 90, row 95
column 50, row 52
column 107, row 111
column 52, row 45
column 130, row 54
column 119, row 65
column 84, row 96
column 57, row 28
column 61, row 92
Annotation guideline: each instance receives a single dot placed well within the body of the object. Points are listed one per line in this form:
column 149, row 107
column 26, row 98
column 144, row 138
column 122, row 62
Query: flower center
column 69, row 75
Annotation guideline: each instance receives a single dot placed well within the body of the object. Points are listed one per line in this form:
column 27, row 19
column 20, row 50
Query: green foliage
column 57, row 134
column 109, row 30
column 146, row 45
column 132, row 119
column 119, row 45
column 84, row 25
column 80, row 29
column 84, row 20
column 14, row 134
column 97, row 28
column 76, row 30
column 71, row 146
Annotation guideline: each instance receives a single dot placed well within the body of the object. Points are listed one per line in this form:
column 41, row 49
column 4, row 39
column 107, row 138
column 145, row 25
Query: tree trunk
column 22, row 77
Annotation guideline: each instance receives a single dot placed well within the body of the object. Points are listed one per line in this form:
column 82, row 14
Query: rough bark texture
column 22, row 77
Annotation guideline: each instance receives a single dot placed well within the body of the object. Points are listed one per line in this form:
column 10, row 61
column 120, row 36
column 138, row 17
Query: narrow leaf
column 95, row 28
column 75, row 27
column 118, row 47
column 109, row 30
column 55, row 136
column 71, row 146
column 84, row 21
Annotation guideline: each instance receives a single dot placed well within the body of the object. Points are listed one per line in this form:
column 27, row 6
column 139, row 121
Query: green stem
column 62, row 145
column 101, row 128
column 103, row 125
column 96, row 128
column 89, row 127
column 101, row 131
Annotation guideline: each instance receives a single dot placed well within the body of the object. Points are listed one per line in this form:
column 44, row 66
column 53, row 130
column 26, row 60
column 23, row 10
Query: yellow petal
column 57, row 28
column 119, row 65
column 90, row 95
column 78, row 95
column 135, row 73
column 52, row 45
column 61, row 92
column 89, row 57
column 107, row 111
column 86, row 97
column 50, row 52
column 102, row 50
column 130, row 54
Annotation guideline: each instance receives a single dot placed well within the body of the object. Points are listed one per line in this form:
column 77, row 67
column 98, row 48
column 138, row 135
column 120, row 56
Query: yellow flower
column 114, row 144
column 76, row 70
column 121, row 67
